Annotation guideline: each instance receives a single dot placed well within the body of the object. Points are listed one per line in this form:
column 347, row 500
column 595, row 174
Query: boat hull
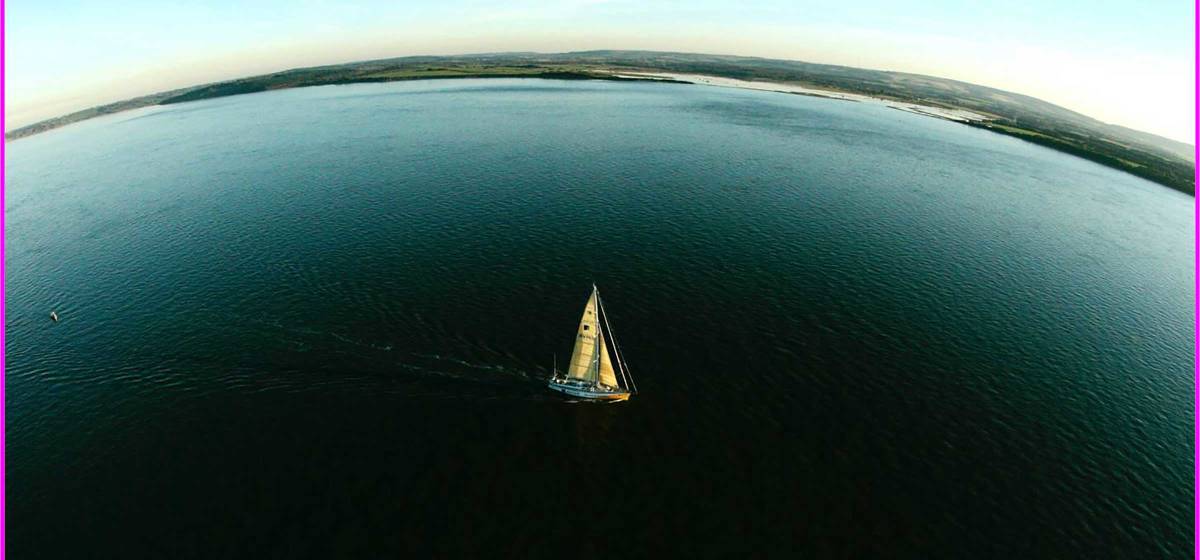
column 587, row 391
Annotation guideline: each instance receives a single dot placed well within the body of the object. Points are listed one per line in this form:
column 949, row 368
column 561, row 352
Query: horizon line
column 566, row 52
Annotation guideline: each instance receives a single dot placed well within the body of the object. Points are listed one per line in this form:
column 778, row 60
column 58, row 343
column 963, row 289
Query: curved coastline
column 1160, row 160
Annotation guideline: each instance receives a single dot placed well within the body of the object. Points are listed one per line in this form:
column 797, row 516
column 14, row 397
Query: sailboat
column 591, row 374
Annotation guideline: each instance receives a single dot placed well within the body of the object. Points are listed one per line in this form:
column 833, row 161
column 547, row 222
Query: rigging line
column 617, row 349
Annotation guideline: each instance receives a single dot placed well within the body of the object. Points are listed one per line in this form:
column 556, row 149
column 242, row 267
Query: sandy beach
column 959, row 115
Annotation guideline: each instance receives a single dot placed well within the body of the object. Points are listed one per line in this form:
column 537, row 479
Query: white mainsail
column 583, row 357
column 590, row 360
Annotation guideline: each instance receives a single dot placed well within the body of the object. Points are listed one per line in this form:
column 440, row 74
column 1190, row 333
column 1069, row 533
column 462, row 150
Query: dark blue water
column 319, row 321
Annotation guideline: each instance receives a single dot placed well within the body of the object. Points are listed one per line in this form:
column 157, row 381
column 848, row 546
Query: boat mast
column 598, row 337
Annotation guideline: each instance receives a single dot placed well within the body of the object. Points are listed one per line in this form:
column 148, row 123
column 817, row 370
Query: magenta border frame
column 1195, row 300
column 3, row 285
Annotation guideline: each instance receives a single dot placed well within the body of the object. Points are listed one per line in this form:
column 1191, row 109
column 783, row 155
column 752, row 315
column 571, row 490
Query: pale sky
column 1127, row 63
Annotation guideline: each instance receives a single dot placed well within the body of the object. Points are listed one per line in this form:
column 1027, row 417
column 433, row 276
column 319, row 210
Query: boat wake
column 379, row 359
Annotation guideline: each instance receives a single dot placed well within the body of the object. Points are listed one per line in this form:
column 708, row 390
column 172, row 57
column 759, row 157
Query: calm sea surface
column 320, row 321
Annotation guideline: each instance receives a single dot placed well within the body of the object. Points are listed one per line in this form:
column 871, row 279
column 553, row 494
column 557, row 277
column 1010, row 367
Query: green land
column 1152, row 157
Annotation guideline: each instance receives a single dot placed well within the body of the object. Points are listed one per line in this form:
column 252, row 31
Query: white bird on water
column 54, row 316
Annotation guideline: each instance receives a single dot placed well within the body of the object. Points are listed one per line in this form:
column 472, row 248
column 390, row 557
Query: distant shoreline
column 956, row 115
column 199, row 93
column 1157, row 159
